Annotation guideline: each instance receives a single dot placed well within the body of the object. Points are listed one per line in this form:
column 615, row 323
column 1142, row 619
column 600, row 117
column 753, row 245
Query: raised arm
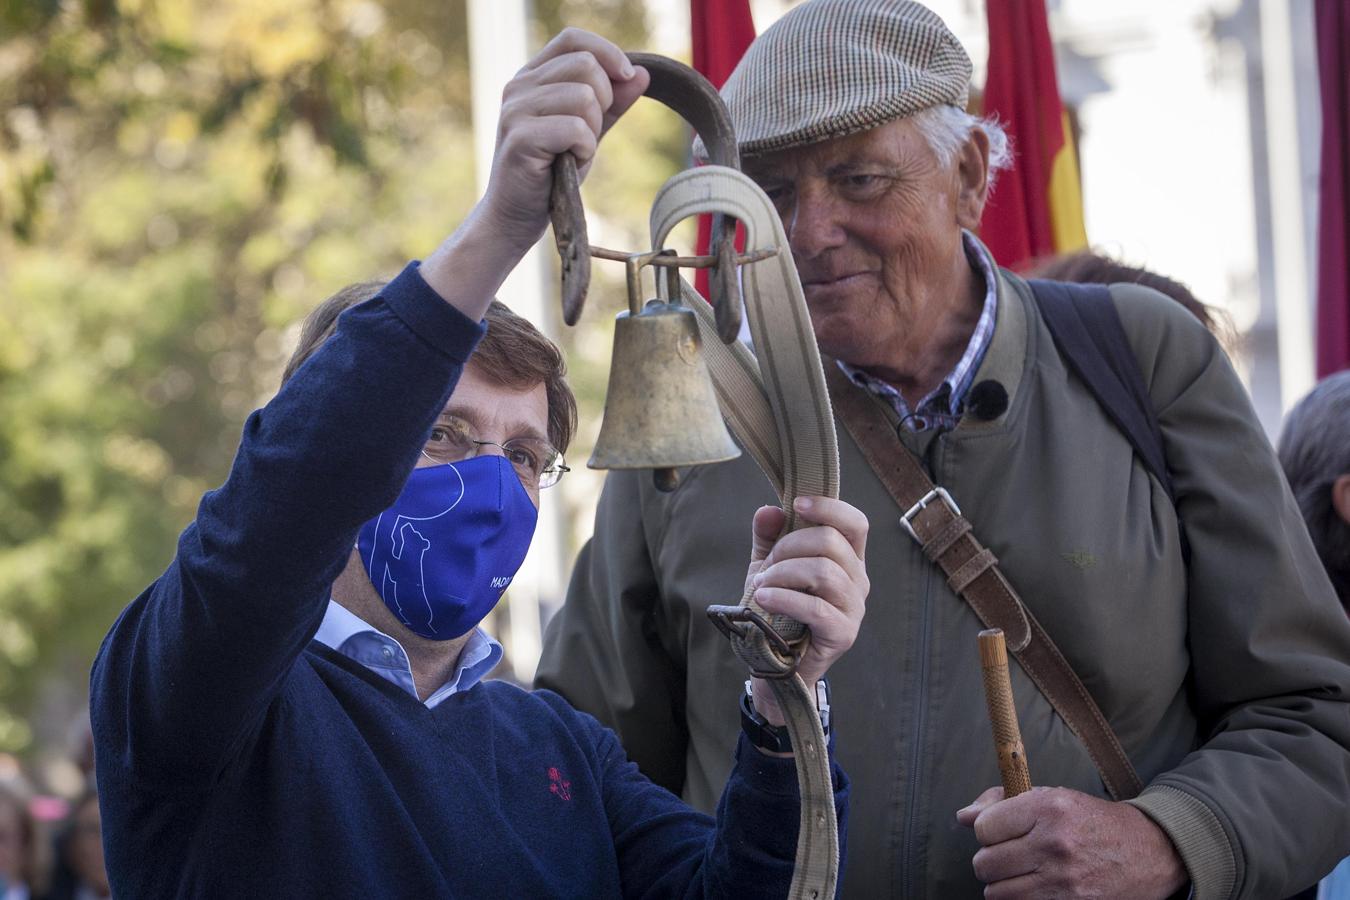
column 189, row 667
column 192, row 663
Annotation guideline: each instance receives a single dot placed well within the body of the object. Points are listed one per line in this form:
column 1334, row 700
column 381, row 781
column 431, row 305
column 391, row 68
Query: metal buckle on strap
column 935, row 494
column 735, row 622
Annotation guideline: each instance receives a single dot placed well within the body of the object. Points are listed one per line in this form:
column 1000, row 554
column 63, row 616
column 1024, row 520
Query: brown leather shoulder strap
column 935, row 521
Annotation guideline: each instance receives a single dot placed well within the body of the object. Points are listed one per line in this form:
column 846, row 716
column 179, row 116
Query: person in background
column 79, row 872
column 1314, row 450
column 80, row 748
column 1095, row 267
column 18, row 843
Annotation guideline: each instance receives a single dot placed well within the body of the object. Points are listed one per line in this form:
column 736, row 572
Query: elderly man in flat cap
column 1204, row 629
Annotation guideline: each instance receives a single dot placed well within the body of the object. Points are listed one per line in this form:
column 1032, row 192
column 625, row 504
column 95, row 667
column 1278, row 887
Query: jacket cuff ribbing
column 1197, row 834
column 777, row 776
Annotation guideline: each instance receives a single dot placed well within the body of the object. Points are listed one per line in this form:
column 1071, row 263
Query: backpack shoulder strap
column 1089, row 335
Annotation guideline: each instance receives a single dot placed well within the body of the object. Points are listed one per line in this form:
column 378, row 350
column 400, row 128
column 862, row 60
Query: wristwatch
column 775, row 738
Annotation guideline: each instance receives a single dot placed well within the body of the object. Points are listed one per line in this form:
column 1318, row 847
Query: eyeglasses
column 538, row 463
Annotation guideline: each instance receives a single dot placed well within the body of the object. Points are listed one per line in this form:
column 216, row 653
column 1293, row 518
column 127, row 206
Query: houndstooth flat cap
column 829, row 68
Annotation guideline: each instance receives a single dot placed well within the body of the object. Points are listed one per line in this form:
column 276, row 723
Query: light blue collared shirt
column 943, row 406
column 1336, row 886
column 353, row 637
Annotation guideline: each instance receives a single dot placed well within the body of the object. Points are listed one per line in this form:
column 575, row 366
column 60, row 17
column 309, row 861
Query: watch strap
column 775, row 738
column 760, row 731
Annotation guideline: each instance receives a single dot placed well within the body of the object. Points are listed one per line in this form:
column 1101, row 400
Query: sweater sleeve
column 188, row 669
column 666, row 849
column 1258, row 809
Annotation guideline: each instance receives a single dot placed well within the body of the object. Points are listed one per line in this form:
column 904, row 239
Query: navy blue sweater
column 239, row 758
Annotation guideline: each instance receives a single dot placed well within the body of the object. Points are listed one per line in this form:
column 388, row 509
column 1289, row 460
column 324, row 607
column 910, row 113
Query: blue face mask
column 444, row 553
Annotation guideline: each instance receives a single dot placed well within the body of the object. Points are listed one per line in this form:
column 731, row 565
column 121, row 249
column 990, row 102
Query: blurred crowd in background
column 51, row 844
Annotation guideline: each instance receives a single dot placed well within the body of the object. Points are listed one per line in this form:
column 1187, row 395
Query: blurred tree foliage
column 180, row 181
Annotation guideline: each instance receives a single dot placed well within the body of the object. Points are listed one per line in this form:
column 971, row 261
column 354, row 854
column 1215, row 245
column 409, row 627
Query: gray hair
column 947, row 128
column 1314, row 451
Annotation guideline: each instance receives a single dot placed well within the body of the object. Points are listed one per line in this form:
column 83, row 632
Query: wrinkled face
column 874, row 222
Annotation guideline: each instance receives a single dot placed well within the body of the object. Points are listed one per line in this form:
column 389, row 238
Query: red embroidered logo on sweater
column 558, row 785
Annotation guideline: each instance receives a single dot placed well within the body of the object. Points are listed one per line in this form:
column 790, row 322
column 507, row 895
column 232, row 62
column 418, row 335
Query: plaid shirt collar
column 942, row 407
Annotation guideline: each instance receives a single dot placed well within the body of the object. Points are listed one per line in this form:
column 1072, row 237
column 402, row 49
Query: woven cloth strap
column 973, row 573
column 779, row 408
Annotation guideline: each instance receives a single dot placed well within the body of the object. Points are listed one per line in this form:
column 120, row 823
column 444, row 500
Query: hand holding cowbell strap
column 697, row 101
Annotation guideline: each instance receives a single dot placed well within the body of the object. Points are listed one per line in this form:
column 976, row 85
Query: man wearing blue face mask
column 296, row 707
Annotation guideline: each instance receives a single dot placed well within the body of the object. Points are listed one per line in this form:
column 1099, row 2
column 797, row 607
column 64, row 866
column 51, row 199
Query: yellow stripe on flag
column 1065, row 196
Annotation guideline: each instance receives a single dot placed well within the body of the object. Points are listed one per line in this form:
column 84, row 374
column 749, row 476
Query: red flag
column 1037, row 208
column 722, row 30
column 1333, row 237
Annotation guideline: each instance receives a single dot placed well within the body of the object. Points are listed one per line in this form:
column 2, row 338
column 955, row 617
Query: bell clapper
column 666, row 480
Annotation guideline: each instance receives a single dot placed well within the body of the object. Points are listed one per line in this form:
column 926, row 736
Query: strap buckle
column 937, row 493
column 737, row 621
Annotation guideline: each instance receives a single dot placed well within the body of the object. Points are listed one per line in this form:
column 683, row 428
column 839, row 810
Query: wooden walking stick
column 1012, row 758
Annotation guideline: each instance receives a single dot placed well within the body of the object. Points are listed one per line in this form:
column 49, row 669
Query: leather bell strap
column 777, row 404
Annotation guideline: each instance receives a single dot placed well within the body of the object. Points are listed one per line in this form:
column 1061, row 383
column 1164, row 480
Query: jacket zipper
column 910, row 875
column 909, row 871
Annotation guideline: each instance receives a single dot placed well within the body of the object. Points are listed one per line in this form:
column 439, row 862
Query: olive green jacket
column 1226, row 681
